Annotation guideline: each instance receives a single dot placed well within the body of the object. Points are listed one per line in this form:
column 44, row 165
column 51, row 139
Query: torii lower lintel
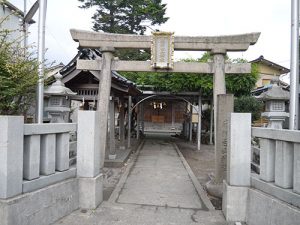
column 179, row 67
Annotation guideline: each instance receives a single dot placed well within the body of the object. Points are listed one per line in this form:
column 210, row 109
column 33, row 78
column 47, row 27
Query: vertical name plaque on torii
column 162, row 50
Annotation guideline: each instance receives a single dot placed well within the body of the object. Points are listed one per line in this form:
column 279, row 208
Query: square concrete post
column 90, row 191
column 112, row 141
column 284, row 160
column 90, row 160
column 11, row 155
column 31, row 163
column 143, row 118
column 234, row 202
column 239, row 150
column 199, row 123
column 173, row 114
column 48, row 149
column 235, row 190
column 296, row 168
column 121, row 123
column 267, row 159
column 190, row 132
column 185, row 129
column 138, row 120
column 129, row 122
column 62, row 151
column 211, row 124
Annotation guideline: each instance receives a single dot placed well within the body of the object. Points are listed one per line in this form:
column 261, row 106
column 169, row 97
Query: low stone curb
column 195, row 181
column 115, row 194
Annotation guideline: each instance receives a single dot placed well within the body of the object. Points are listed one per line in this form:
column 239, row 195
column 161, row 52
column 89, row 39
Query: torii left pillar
column 104, row 95
column 92, row 132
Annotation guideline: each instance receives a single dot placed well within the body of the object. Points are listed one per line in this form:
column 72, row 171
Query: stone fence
column 33, row 156
column 279, row 164
column 273, row 195
column 37, row 183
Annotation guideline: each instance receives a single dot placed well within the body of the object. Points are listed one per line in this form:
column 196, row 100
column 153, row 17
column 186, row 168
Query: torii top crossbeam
column 88, row 39
column 217, row 44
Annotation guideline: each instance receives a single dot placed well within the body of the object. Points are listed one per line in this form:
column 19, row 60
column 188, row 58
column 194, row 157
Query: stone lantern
column 59, row 100
column 275, row 99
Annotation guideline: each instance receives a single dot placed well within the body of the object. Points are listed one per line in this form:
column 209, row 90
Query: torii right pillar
column 219, row 76
column 223, row 106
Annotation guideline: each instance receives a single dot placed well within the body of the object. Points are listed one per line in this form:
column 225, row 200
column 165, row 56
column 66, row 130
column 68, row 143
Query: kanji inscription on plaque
column 162, row 50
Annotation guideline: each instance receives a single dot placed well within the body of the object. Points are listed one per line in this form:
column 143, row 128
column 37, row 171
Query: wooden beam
column 179, row 67
column 88, row 39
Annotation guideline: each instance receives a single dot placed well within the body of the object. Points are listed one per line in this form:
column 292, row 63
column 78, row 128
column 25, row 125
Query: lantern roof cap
column 58, row 88
column 275, row 92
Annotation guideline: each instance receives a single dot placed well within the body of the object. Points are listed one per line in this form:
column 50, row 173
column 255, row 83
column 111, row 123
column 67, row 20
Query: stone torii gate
column 217, row 45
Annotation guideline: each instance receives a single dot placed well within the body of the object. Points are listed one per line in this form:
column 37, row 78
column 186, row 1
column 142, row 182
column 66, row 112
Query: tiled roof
column 90, row 54
column 261, row 59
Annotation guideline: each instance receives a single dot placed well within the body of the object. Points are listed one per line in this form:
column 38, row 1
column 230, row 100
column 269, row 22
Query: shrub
column 248, row 104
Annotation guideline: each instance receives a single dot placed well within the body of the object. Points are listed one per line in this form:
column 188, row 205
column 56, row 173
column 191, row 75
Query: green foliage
column 241, row 84
column 133, row 54
column 18, row 76
column 127, row 17
column 176, row 82
column 248, row 104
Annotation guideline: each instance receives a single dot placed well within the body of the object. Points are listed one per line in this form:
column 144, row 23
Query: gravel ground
column 201, row 162
column 111, row 178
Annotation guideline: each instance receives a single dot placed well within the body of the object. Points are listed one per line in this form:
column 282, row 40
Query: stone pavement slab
column 159, row 178
column 129, row 214
column 155, row 189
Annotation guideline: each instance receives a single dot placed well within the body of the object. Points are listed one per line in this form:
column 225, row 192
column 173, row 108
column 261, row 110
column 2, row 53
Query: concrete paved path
column 155, row 189
column 159, row 178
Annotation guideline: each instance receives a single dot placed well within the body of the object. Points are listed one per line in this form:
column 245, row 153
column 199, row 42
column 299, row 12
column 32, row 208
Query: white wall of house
column 13, row 22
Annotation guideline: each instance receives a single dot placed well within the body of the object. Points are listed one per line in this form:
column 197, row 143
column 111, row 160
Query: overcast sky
column 188, row 18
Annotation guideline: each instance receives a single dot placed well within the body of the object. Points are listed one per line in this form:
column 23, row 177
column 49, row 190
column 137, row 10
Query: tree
column 18, row 76
column 127, row 17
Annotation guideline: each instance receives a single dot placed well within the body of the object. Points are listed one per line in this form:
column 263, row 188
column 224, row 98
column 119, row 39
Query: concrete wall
column 41, row 207
column 264, row 209
column 275, row 192
column 39, row 188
